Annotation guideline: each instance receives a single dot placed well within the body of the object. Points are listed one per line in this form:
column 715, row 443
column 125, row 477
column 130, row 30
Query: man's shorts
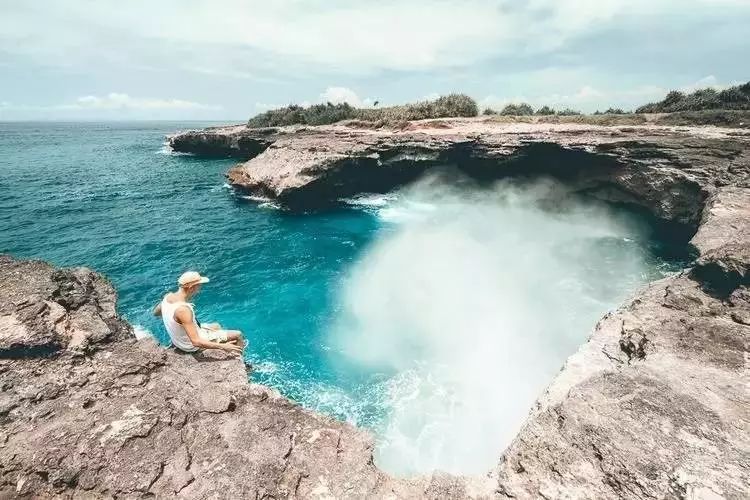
column 213, row 335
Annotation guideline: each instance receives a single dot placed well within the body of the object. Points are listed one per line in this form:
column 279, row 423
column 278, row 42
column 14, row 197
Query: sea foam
column 141, row 333
column 471, row 304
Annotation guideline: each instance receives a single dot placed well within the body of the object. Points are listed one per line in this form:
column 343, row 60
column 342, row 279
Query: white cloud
column 276, row 52
column 590, row 98
column 264, row 106
column 113, row 105
column 117, row 101
column 588, row 92
column 705, row 82
column 351, row 37
column 586, row 98
column 709, row 81
column 340, row 95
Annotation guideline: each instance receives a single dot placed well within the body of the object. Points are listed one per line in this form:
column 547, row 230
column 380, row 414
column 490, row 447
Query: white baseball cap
column 191, row 278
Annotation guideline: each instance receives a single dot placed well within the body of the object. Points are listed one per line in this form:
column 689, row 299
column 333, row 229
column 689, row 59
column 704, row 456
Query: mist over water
column 432, row 316
column 471, row 305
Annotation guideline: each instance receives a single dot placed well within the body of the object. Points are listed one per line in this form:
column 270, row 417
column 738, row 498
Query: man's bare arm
column 184, row 316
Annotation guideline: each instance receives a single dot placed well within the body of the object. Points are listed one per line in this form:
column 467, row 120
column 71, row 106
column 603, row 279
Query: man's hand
column 231, row 347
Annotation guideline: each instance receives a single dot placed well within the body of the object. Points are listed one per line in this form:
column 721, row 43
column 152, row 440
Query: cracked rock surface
column 87, row 411
column 656, row 403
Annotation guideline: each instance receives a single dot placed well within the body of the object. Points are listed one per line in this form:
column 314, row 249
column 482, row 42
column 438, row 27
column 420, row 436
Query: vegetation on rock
column 568, row 112
column 453, row 105
column 737, row 97
column 612, row 111
column 521, row 109
column 705, row 106
column 545, row 111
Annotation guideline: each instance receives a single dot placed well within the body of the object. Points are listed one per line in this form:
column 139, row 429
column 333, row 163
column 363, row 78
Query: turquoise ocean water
column 112, row 197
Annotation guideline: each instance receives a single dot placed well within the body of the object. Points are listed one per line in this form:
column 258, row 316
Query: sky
column 231, row 59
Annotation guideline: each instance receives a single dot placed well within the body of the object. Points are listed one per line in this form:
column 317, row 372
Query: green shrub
column 568, row 112
column 317, row 114
column 737, row 97
column 545, row 110
column 489, row 111
column 614, row 111
column 522, row 109
column 453, row 105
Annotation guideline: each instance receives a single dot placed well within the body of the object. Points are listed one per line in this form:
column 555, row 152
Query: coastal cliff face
column 655, row 404
column 668, row 170
column 88, row 411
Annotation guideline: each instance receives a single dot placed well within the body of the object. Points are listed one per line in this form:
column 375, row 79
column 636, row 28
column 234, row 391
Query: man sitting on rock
column 186, row 332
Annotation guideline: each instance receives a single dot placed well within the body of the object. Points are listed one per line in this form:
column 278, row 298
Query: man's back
column 169, row 306
column 183, row 328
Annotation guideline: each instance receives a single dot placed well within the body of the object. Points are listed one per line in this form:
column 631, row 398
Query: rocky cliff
column 668, row 170
column 654, row 405
column 87, row 411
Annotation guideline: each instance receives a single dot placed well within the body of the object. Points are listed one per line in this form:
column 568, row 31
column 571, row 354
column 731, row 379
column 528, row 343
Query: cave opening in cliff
column 469, row 301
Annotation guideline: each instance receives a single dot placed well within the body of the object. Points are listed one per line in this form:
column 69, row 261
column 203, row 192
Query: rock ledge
column 654, row 405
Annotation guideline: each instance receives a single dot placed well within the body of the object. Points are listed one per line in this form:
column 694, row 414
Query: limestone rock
column 223, row 141
column 668, row 170
column 723, row 240
column 117, row 417
column 654, row 405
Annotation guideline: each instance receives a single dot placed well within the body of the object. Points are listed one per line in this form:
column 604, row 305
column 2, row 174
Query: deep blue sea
column 433, row 316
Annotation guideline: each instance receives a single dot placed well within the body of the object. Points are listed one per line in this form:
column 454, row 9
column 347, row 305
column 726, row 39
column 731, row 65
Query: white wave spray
column 470, row 304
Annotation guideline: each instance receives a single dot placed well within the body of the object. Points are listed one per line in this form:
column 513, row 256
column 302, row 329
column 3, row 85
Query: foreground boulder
column 88, row 411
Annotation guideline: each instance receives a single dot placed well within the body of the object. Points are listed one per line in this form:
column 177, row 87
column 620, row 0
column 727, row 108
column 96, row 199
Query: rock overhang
column 668, row 170
column 652, row 405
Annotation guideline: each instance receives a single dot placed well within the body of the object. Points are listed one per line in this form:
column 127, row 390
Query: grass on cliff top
column 717, row 117
column 732, row 98
column 728, row 108
column 525, row 109
column 453, row 105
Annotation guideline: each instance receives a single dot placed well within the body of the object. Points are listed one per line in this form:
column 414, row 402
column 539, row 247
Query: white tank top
column 176, row 331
